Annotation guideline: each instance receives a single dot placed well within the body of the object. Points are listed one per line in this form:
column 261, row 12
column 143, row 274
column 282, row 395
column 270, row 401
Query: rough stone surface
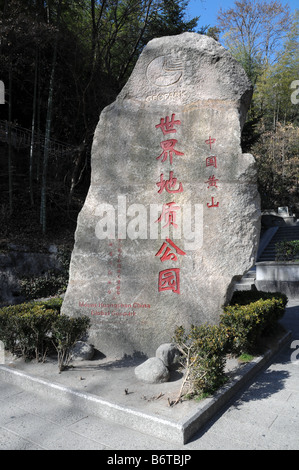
column 169, row 355
column 83, row 351
column 153, row 371
column 118, row 268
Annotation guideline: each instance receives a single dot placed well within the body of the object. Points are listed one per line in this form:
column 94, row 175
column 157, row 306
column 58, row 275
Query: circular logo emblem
column 164, row 71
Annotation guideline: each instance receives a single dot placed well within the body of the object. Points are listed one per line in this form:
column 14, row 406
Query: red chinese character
column 213, row 204
column 167, row 125
column 212, row 181
column 168, row 254
column 169, row 214
column 168, row 149
column 169, row 279
column 211, row 161
column 169, row 184
column 210, row 141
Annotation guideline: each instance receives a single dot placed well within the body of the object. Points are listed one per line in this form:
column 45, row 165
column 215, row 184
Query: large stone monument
column 172, row 215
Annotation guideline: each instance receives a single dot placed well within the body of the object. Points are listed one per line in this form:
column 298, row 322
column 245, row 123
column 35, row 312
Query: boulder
column 172, row 216
column 82, row 351
column 169, row 355
column 153, row 371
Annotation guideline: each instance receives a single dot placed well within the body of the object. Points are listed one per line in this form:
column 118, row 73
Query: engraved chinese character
column 169, row 279
column 213, row 204
column 211, row 161
column 168, row 150
column 169, row 184
column 166, row 252
column 167, row 125
column 210, row 141
column 212, row 181
column 169, row 214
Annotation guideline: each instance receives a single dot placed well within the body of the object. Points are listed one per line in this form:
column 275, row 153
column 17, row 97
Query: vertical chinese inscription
column 114, row 269
column 212, row 180
column 169, row 279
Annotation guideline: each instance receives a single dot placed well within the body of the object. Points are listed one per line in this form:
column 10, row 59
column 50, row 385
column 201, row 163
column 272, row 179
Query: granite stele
column 172, row 216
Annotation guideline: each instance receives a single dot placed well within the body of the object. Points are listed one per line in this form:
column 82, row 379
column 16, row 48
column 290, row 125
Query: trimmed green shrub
column 204, row 348
column 7, row 334
column 249, row 322
column 54, row 304
column 203, row 352
column 31, row 329
column 244, row 297
column 26, row 328
column 51, row 283
column 287, row 250
column 33, row 332
column 66, row 331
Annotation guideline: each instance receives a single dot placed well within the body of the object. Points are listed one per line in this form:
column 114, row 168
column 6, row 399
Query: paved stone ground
column 265, row 415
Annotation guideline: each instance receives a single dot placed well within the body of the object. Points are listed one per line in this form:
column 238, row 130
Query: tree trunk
column 43, row 207
column 10, row 169
column 32, row 143
column 38, row 150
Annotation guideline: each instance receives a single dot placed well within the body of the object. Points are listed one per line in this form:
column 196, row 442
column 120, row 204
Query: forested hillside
column 63, row 61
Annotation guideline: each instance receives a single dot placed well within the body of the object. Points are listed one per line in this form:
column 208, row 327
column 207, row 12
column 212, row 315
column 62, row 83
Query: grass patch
column 245, row 357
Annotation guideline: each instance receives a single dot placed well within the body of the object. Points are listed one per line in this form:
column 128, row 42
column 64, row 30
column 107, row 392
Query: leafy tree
column 169, row 19
column 62, row 62
column 264, row 38
column 213, row 32
column 277, row 156
column 253, row 29
column 43, row 207
column 272, row 94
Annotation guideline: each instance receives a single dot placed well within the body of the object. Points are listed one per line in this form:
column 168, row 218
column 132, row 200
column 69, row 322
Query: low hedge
column 203, row 352
column 205, row 347
column 32, row 329
column 25, row 328
column 245, row 297
column 66, row 332
column 249, row 321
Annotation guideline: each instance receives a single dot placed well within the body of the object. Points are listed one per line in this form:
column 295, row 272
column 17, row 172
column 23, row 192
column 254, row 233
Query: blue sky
column 208, row 9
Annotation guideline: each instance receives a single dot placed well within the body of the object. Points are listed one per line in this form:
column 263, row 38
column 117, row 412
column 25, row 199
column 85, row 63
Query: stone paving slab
column 12, row 441
column 178, row 429
column 264, row 414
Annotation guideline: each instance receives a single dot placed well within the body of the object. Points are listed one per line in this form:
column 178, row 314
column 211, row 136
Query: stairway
column 247, row 281
column 285, row 233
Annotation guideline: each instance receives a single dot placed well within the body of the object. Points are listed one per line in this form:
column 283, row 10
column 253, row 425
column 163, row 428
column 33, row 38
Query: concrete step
column 268, row 254
column 249, row 276
column 247, row 282
column 244, row 286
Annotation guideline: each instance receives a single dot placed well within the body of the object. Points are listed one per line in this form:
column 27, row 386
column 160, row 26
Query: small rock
column 152, row 371
column 82, row 351
column 169, row 354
